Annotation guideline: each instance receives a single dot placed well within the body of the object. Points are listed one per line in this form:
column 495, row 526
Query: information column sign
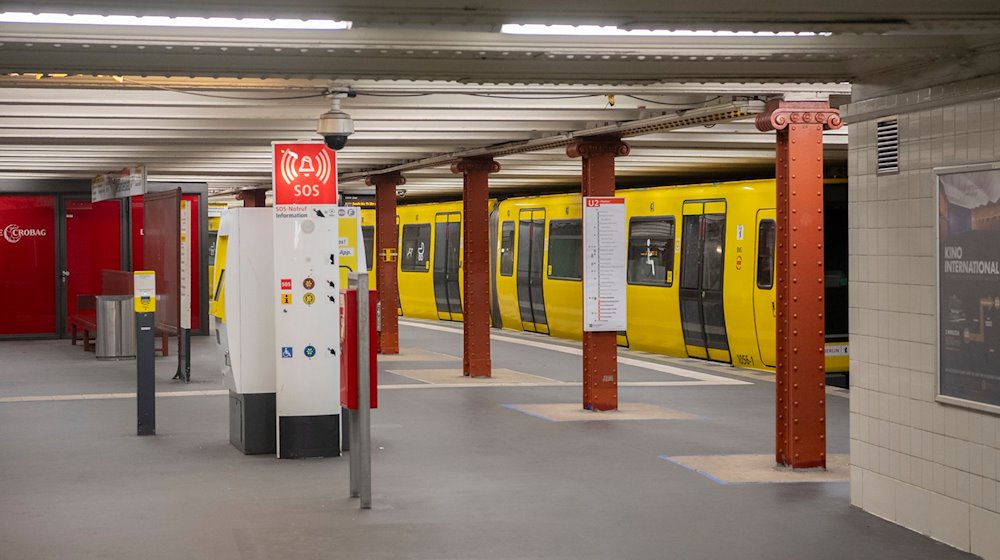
column 604, row 260
column 185, row 264
column 307, row 300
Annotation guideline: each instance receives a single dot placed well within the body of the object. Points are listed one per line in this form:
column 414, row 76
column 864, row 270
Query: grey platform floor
column 456, row 473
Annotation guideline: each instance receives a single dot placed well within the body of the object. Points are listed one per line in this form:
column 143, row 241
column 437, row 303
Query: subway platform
column 506, row 468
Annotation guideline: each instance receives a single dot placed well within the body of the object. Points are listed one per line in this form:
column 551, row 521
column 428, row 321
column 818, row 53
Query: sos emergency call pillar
column 307, row 300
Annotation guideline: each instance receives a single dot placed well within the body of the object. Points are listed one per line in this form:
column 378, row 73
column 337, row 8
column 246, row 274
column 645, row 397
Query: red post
column 476, row 263
column 253, row 198
column 800, row 414
column 386, row 253
column 600, row 349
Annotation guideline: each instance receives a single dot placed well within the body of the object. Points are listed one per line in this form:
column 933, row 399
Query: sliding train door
column 763, row 289
column 530, row 265
column 703, row 319
column 447, row 258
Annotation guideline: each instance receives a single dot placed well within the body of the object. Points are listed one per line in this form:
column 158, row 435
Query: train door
column 399, row 243
column 447, row 258
column 530, row 265
column 93, row 243
column 763, row 289
column 495, row 318
column 702, row 259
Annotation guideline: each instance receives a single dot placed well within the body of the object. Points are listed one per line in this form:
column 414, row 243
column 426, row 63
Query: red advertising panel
column 93, row 243
column 27, row 264
column 137, row 250
column 304, row 173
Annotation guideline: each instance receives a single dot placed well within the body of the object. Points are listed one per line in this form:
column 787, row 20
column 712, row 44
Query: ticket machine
column 242, row 310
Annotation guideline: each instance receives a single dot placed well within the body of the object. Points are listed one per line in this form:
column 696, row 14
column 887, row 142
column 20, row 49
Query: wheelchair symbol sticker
column 286, row 351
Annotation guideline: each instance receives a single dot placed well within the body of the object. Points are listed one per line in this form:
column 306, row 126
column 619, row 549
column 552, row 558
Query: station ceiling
column 435, row 77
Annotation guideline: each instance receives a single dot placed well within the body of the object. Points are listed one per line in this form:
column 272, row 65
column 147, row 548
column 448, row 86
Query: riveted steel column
column 600, row 349
column 253, row 198
column 386, row 253
column 476, row 263
column 800, row 414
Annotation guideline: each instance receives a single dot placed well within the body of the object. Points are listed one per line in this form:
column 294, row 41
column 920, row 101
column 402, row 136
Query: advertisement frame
column 938, row 397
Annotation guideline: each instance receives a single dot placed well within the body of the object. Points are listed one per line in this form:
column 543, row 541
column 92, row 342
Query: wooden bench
column 85, row 320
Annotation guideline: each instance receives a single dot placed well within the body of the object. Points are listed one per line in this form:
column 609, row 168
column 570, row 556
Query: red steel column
column 600, row 349
column 801, row 376
column 253, row 198
column 386, row 253
column 476, row 263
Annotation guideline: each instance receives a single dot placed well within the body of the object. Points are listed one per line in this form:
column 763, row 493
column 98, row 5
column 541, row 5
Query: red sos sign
column 304, row 173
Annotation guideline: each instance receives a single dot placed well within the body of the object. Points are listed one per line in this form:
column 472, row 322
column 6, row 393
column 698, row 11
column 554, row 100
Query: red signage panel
column 304, row 173
column 27, row 264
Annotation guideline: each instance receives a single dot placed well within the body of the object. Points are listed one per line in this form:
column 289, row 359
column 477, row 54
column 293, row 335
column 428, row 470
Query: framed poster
column 968, row 261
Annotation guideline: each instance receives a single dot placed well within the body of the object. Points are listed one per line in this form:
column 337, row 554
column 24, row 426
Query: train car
column 700, row 269
column 430, row 260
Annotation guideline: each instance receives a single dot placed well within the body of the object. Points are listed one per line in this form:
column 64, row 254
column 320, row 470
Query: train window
column 765, row 255
column 415, row 247
column 651, row 251
column 566, row 249
column 507, row 249
column 368, row 234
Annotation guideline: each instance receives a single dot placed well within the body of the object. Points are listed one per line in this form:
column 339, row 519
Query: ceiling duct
column 702, row 116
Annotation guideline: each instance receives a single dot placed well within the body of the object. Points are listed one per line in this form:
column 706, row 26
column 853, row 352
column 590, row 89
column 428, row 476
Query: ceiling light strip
column 163, row 21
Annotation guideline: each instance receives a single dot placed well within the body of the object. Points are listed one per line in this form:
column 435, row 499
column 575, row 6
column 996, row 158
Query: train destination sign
column 969, row 286
column 604, row 263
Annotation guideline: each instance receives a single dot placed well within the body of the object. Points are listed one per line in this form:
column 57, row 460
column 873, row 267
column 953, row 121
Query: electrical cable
column 681, row 105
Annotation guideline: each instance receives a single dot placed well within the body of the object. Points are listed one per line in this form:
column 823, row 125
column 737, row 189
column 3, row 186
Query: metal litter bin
column 115, row 328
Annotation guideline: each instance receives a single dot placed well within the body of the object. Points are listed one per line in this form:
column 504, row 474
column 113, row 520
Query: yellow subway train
column 700, row 268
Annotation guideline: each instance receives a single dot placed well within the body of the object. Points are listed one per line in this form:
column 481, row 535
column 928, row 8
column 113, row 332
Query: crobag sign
column 13, row 233
column 304, row 173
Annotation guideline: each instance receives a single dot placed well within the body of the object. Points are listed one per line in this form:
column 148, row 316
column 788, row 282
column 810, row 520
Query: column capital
column 593, row 145
column 473, row 164
column 778, row 114
column 395, row 178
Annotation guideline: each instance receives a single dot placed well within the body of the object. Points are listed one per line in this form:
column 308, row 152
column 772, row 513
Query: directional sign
column 304, row 173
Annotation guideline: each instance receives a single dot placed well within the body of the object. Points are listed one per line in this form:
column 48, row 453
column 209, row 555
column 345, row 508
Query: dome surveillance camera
column 335, row 126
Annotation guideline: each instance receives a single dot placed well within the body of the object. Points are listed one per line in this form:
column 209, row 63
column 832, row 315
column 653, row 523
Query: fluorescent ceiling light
column 162, row 21
column 610, row 30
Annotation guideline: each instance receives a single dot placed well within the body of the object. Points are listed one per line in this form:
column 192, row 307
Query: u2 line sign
column 604, row 261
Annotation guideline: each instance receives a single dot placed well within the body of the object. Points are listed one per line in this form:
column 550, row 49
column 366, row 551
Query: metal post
column 145, row 365
column 800, row 408
column 600, row 349
column 364, row 442
column 386, row 239
column 476, row 263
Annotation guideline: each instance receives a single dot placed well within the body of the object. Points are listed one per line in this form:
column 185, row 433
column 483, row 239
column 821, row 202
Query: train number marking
column 744, row 359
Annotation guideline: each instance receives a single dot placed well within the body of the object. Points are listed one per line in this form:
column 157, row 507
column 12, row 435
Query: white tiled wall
column 927, row 466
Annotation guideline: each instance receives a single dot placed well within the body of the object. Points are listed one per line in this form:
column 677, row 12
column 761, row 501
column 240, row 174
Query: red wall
column 27, row 264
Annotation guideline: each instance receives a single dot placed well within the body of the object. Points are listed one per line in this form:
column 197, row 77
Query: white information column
column 605, row 254
column 307, row 301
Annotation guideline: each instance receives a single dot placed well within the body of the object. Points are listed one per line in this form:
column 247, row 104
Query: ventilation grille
column 887, row 144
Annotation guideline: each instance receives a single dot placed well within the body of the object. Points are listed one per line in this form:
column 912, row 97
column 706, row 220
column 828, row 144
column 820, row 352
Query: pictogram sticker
column 286, row 283
column 286, row 351
column 308, row 284
column 310, row 351
column 286, row 299
column 309, row 298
